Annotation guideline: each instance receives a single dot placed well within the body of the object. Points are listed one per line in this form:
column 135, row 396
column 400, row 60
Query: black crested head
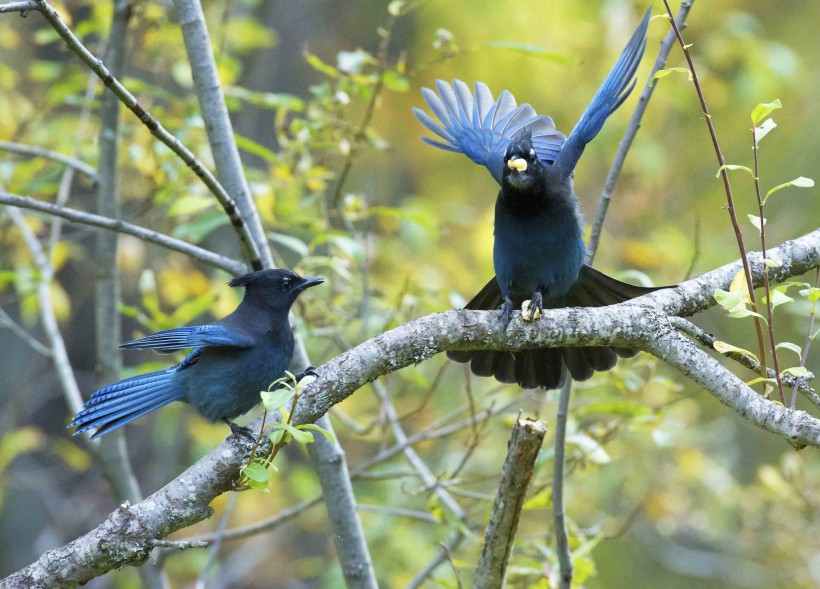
column 522, row 168
column 275, row 288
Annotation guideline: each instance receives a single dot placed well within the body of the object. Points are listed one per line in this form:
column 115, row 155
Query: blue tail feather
column 124, row 401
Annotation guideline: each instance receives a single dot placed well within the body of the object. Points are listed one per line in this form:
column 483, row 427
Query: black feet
column 240, row 431
column 506, row 312
column 309, row 371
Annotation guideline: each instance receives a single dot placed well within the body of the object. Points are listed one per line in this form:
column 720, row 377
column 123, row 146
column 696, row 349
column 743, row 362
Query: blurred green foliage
column 666, row 488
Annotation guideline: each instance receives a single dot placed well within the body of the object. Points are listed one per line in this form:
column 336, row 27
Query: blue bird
column 232, row 360
column 539, row 251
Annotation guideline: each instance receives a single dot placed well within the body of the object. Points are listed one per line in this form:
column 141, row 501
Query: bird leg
column 506, row 311
column 240, row 431
column 309, row 371
column 531, row 310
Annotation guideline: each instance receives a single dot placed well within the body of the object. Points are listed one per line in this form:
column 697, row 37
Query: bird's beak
column 310, row 281
column 517, row 163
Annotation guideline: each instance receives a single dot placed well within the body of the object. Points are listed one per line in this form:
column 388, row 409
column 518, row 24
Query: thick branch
column 522, row 450
column 127, row 536
column 638, row 324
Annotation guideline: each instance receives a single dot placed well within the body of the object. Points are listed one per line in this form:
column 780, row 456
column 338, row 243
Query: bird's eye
column 286, row 284
column 532, row 152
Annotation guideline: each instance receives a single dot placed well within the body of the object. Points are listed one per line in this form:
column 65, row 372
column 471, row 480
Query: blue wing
column 192, row 337
column 616, row 88
column 482, row 127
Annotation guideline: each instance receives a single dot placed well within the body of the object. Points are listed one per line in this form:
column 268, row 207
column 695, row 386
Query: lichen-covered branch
column 124, row 538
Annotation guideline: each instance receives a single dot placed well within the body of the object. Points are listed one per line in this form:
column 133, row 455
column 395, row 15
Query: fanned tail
column 124, row 401
column 548, row 367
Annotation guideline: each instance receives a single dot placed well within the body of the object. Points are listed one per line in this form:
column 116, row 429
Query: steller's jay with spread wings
column 232, row 361
column 539, row 251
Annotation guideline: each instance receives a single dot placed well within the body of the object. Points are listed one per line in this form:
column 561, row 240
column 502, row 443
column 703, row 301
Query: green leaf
column 201, row 226
column 763, row 110
column 316, row 428
column 799, row 182
column 289, row 242
column 790, row 346
column 621, row 407
column 320, row 66
column 395, row 81
column 190, row 204
column 797, row 371
column 773, row 262
column 257, row 473
column 730, row 300
column 276, row 399
column 732, row 168
column 671, row 70
column 532, row 51
column 763, row 130
column 755, row 220
column 741, row 313
column 251, row 146
column 812, row 293
column 779, row 298
column 300, row 436
column 591, row 449
column 760, row 379
column 725, row 348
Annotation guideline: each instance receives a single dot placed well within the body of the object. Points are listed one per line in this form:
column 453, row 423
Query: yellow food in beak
column 517, row 163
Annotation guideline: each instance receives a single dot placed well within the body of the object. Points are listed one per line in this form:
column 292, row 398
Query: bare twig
column 730, row 203
column 631, row 131
column 809, row 340
column 157, row 130
column 558, row 510
column 8, row 323
column 766, row 289
column 149, row 235
column 71, row 162
column 522, row 450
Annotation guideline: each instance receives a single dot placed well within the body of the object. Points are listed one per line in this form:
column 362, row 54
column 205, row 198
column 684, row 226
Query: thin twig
column 726, row 185
column 157, row 130
column 708, row 340
column 809, row 339
column 8, row 323
column 558, row 510
column 216, row 544
column 629, row 135
column 71, row 162
column 381, row 57
column 205, row 256
column 769, row 307
column 442, row 555
column 400, row 512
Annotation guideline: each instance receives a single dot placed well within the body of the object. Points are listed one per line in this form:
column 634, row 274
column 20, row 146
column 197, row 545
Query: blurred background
column 666, row 487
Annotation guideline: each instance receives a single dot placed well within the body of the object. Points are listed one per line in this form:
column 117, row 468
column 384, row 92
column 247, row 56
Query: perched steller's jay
column 233, row 360
column 539, row 248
